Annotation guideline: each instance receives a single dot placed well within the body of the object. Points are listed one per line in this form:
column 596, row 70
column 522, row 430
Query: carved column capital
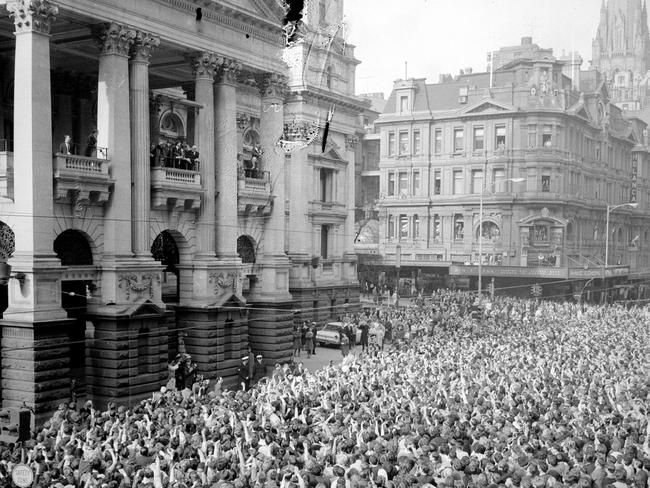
column 228, row 71
column 143, row 47
column 273, row 85
column 204, row 65
column 32, row 15
column 113, row 38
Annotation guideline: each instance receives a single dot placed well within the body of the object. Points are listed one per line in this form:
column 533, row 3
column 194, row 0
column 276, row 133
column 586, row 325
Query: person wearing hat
column 91, row 144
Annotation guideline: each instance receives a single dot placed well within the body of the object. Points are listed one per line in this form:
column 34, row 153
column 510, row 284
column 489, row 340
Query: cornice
column 339, row 100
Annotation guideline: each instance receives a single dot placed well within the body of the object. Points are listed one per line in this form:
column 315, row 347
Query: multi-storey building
column 118, row 242
column 545, row 159
column 320, row 175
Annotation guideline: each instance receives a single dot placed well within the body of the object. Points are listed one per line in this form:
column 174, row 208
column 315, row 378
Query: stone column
column 271, row 128
column 225, row 136
column 114, row 133
column 349, row 256
column 33, row 211
column 141, row 51
column 204, row 65
column 35, row 351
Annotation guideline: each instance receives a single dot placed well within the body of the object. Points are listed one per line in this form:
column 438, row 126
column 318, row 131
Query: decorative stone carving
column 228, row 71
column 7, row 242
column 224, row 282
column 143, row 47
column 273, row 86
column 131, row 284
column 32, row 15
column 204, row 65
column 114, row 38
column 351, row 142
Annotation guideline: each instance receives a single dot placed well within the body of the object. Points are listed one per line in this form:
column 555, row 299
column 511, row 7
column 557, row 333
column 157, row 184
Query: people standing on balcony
column 91, row 145
column 66, row 146
column 193, row 156
column 158, row 153
column 167, row 158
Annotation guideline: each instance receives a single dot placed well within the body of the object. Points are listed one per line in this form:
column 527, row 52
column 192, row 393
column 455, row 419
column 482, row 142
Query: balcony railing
column 175, row 187
column 254, row 192
column 85, row 178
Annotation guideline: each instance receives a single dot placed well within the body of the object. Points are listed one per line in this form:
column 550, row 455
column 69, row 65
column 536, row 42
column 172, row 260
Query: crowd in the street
column 519, row 395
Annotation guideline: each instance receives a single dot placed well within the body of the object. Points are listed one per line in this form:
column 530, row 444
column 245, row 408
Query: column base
column 301, row 270
column 126, row 353
column 36, row 366
column 270, row 331
column 272, row 283
column 212, row 282
column 216, row 338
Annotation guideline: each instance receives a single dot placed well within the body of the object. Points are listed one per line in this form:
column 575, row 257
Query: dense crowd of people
column 524, row 395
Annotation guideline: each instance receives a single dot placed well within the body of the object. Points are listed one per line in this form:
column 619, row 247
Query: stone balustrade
column 175, row 187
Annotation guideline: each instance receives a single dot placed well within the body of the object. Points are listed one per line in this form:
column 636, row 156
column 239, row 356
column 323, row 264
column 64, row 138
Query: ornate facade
column 621, row 52
column 570, row 154
column 124, row 237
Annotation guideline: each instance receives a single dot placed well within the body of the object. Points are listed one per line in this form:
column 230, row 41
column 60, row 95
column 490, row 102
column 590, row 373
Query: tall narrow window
column 324, row 241
column 500, row 137
column 532, row 136
column 391, row 227
column 531, row 180
column 391, row 183
column 477, row 180
column 479, row 138
column 416, row 226
column 546, row 180
column 403, row 182
column 547, row 136
column 459, row 140
column 328, row 77
column 437, row 148
column 498, row 179
column 437, row 182
column 458, row 182
column 403, row 104
column 437, row 234
column 459, row 227
column 416, row 183
column 403, row 226
column 403, row 142
column 326, row 178
column 391, row 143
column 416, row 142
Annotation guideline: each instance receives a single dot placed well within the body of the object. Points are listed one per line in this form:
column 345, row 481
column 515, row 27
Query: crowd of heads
column 519, row 395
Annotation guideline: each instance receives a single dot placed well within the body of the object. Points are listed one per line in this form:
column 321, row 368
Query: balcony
column 6, row 169
column 176, row 188
column 81, row 178
column 327, row 211
column 254, row 193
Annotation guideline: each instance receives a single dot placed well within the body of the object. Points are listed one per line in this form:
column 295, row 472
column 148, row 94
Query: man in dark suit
column 91, row 145
column 66, row 146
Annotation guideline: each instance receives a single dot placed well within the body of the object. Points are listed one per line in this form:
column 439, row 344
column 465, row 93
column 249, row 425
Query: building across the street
column 547, row 162
column 153, row 186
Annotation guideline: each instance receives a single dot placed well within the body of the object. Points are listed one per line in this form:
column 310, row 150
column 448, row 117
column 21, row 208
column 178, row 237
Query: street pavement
column 324, row 354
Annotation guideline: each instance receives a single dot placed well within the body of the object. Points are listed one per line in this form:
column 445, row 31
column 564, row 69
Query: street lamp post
column 480, row 224
column 398, row 264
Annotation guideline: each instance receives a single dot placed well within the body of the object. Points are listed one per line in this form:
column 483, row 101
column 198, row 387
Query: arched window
column 73, row 249
column 490, row 231
column 246, row 249
column 164, row 249
column 171, row 126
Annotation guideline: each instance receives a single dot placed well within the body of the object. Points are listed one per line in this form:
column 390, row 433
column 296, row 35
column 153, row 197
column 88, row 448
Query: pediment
column 229, row 299
column 487, row 106
column 268, row 9
column 142, row 307
column 333, row 154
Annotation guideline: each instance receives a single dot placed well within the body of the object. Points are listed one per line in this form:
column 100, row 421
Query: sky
column 445, row 36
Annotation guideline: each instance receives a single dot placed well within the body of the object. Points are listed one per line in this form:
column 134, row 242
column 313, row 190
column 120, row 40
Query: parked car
column 330, row 334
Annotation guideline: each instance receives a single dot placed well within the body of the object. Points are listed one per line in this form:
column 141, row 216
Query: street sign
column 22, row 475
column 536, row 290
